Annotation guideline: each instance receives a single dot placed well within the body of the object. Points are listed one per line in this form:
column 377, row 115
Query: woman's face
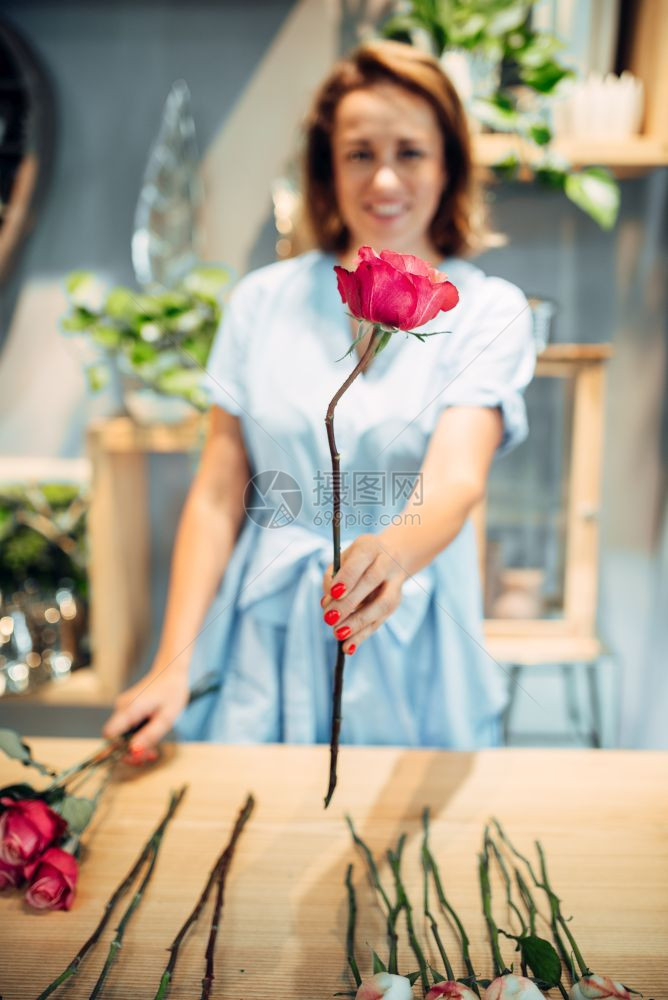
column 389, row 169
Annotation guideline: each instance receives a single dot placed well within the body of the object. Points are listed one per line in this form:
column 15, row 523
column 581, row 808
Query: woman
column 387, row 165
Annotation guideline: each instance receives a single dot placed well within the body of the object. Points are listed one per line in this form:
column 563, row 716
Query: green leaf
column 413, row 977
column 13, row 746
column 78, row 320
column 508, row 19
column 382, row 342
column 105, row 335
column 538, row 50
column 551, row 175
column 436, row 975
column 494, row 115
column 540, row 133
column 77, row 813
column 542, row 959
column 507, row 168
column 121, row 305
column 378, row 964
column 595, row 191
column 97, row 377
column 545, row 78
column 17, row 792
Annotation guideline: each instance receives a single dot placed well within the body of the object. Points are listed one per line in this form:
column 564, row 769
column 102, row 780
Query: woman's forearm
column 204, row 544
column 427, row 528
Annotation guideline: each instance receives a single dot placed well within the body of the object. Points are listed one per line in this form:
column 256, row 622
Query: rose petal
column 513, row 988
column 387, row 295
column 598, row 988
column 349, row 290
column 411, row 264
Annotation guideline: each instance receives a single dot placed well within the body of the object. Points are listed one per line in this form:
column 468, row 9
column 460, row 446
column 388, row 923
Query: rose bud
column 598, row 988
column 395, row 289
column 513, row 988
column 10, row 875
column 52, row 880
column 27, row 827
column 449, row 988
column 385, row 986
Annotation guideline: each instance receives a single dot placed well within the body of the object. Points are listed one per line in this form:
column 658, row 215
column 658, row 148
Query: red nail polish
column 343, row 632
column 136, row 750
column 351, row 649
column 332, row 616
column 338, row 590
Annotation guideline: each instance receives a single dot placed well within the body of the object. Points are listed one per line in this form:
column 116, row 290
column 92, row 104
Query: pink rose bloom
column 10, row 875
column 385, row 986
column 598, row 988
column 52, row 880
column 27, row 827
column 456, row 991
column 513, row 988
column 395, row 289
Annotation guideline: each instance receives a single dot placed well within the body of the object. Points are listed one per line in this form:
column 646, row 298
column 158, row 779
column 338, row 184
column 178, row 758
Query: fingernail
column 351, row 649
column 338, row 590
column 332, row 616
column 343, row 632
column 322, row 601
column 136, row 749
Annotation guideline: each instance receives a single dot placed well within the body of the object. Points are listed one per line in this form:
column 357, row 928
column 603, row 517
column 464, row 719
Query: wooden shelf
column 123, row 435
column 82, row 687
column 538, row 650
column 638, row 151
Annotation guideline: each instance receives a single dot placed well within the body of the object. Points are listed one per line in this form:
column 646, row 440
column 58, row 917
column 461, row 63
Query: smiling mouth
column 386, row 211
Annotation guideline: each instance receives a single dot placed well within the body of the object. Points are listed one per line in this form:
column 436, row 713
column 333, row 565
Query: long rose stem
column 394, row 857
column 221, row 876
column 500, row 968
column 336, row 531
column 555, row 906
column 391, row 912
column 556, row 918
column 445, row 903
column 110, row 905
column 425, row 895
column 507, row 881
column 350, row 932
column 166, row 979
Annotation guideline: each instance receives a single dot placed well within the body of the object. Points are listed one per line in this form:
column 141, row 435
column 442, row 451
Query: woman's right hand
column 158, row 698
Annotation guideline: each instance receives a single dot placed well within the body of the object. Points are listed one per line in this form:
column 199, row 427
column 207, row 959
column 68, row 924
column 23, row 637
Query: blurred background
column 149, row 157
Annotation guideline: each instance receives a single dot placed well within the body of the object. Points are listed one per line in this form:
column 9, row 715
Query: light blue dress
column 423, row 678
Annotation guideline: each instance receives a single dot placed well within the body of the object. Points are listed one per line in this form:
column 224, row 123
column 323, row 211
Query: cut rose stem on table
column 429, row 864
column 120, row 891
column 403, row 902
column 377, row 334
column 391, row 913
column 536, row 953
column 500, row 968
column 223, row 859
column 350, row 931
column 221, row 877
column 557, row 919
column 154, row 849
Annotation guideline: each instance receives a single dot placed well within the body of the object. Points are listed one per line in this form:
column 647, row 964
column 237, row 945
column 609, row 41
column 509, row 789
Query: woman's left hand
column 365, row 592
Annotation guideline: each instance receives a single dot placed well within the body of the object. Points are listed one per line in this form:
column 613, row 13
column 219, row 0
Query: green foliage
column 163, row 338
column 42, row 536
column 501, row 30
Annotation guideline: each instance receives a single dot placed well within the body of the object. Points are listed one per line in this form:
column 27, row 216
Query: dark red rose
column 27, row 827
column 53, row 878
column 10, row 875
column 395, row 289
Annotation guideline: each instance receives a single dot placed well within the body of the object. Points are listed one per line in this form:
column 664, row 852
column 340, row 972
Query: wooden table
column 601, row 815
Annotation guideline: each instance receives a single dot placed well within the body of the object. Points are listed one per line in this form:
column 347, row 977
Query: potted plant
column 507, row 73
